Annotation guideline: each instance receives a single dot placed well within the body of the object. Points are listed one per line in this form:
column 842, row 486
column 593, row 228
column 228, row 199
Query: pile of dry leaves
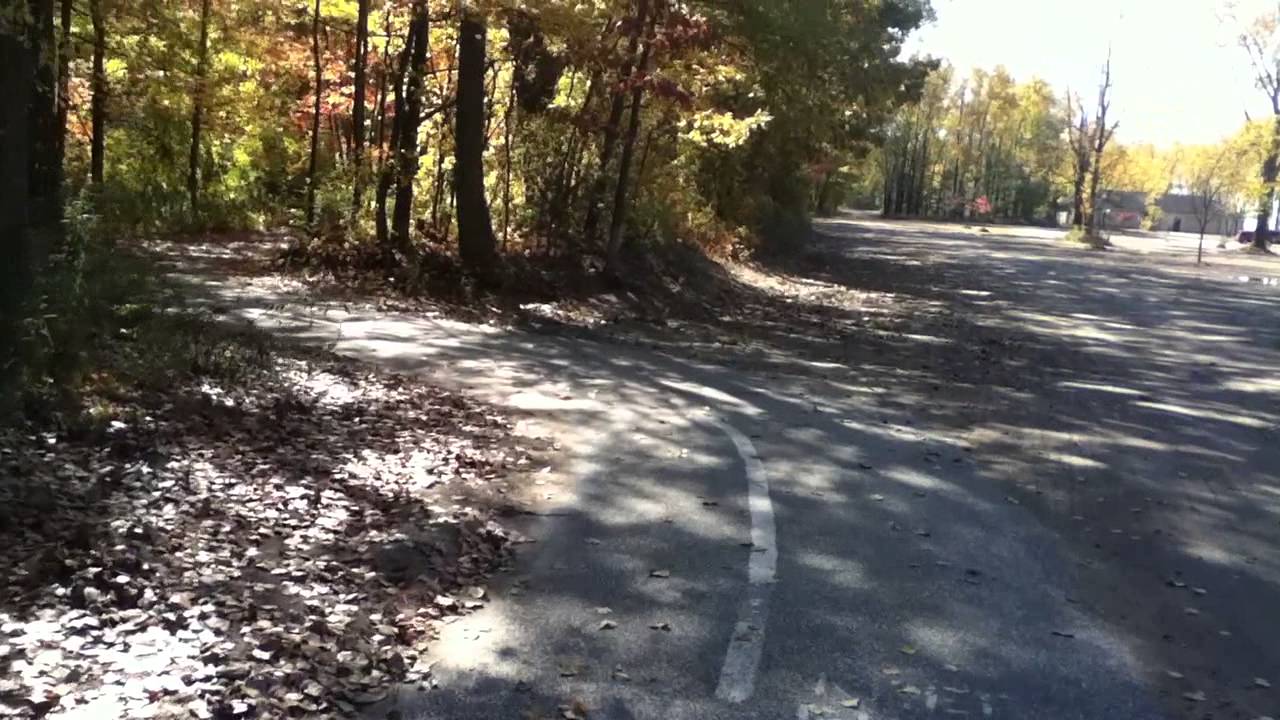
column 277, row 548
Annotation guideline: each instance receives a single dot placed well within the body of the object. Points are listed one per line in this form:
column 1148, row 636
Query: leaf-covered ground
column 277, row 541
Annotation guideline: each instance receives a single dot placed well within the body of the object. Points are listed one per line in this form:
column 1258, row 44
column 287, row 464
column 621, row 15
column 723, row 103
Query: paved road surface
column 1059, row 497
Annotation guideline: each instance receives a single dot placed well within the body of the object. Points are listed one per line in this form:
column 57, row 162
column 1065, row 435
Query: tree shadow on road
column 1010, row 471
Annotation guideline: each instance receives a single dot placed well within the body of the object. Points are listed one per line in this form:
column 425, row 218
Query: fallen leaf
column 908, row 650
column 851, row 703
column 607, row 625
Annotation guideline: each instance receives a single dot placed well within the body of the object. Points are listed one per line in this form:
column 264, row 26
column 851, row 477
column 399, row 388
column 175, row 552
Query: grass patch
column 1081, row 236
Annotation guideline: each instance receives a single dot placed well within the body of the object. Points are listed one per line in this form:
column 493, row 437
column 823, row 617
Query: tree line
column 990, row 146
column 486, row 126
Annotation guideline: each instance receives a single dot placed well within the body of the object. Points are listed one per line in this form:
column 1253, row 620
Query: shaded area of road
column 1001, row 471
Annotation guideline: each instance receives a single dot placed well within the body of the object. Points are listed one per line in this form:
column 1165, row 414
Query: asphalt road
column 1059, row 498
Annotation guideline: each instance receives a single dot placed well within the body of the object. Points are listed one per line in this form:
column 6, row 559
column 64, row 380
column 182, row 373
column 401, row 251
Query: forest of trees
column 386, row 125
column 982, row 137
column 988, row 146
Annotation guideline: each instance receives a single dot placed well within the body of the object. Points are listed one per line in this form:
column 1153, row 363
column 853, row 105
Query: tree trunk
column 408, row 123
column 1270, row 171
column 46, row 162
column 386, row 177
column 66, row 52
column 613, row 255
column 613, row 127
column 476, row 242
column 313, row 161
column 1082, row 167
column 358, row 106
column 1091, row 211
column 508, row 138
column 197, row 106
column 378, row 131
column 17, row 76
column 98, row 105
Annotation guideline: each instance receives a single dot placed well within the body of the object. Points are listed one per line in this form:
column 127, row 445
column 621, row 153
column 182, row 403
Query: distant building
column 1181, row 213
column 1129, row 210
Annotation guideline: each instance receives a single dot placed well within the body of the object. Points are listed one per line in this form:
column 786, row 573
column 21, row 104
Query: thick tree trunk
column 407, row 143
column 46, row 161
column 313, row 161
column 199, row 92
column 358, row 107
column 476, row 242
column 98, row 105
column 1078, row 189
column 1091, row 211
column 613, row 127
column 17, row 76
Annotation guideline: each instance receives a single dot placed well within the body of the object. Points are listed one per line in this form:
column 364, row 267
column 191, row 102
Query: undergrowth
column 100, row 327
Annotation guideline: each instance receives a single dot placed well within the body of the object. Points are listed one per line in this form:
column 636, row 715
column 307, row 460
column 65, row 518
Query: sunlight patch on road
column 914, row 479
column 1266, row 385
column 710, row 394
column 534, row 400
column 1077, row 461
column 928, row 339
column 1100, row 387
column 837, row 570
column 1207, row 414
column 1213, row 553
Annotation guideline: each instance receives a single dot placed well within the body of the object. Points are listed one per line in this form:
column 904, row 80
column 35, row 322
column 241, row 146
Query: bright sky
column 1178, row 74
